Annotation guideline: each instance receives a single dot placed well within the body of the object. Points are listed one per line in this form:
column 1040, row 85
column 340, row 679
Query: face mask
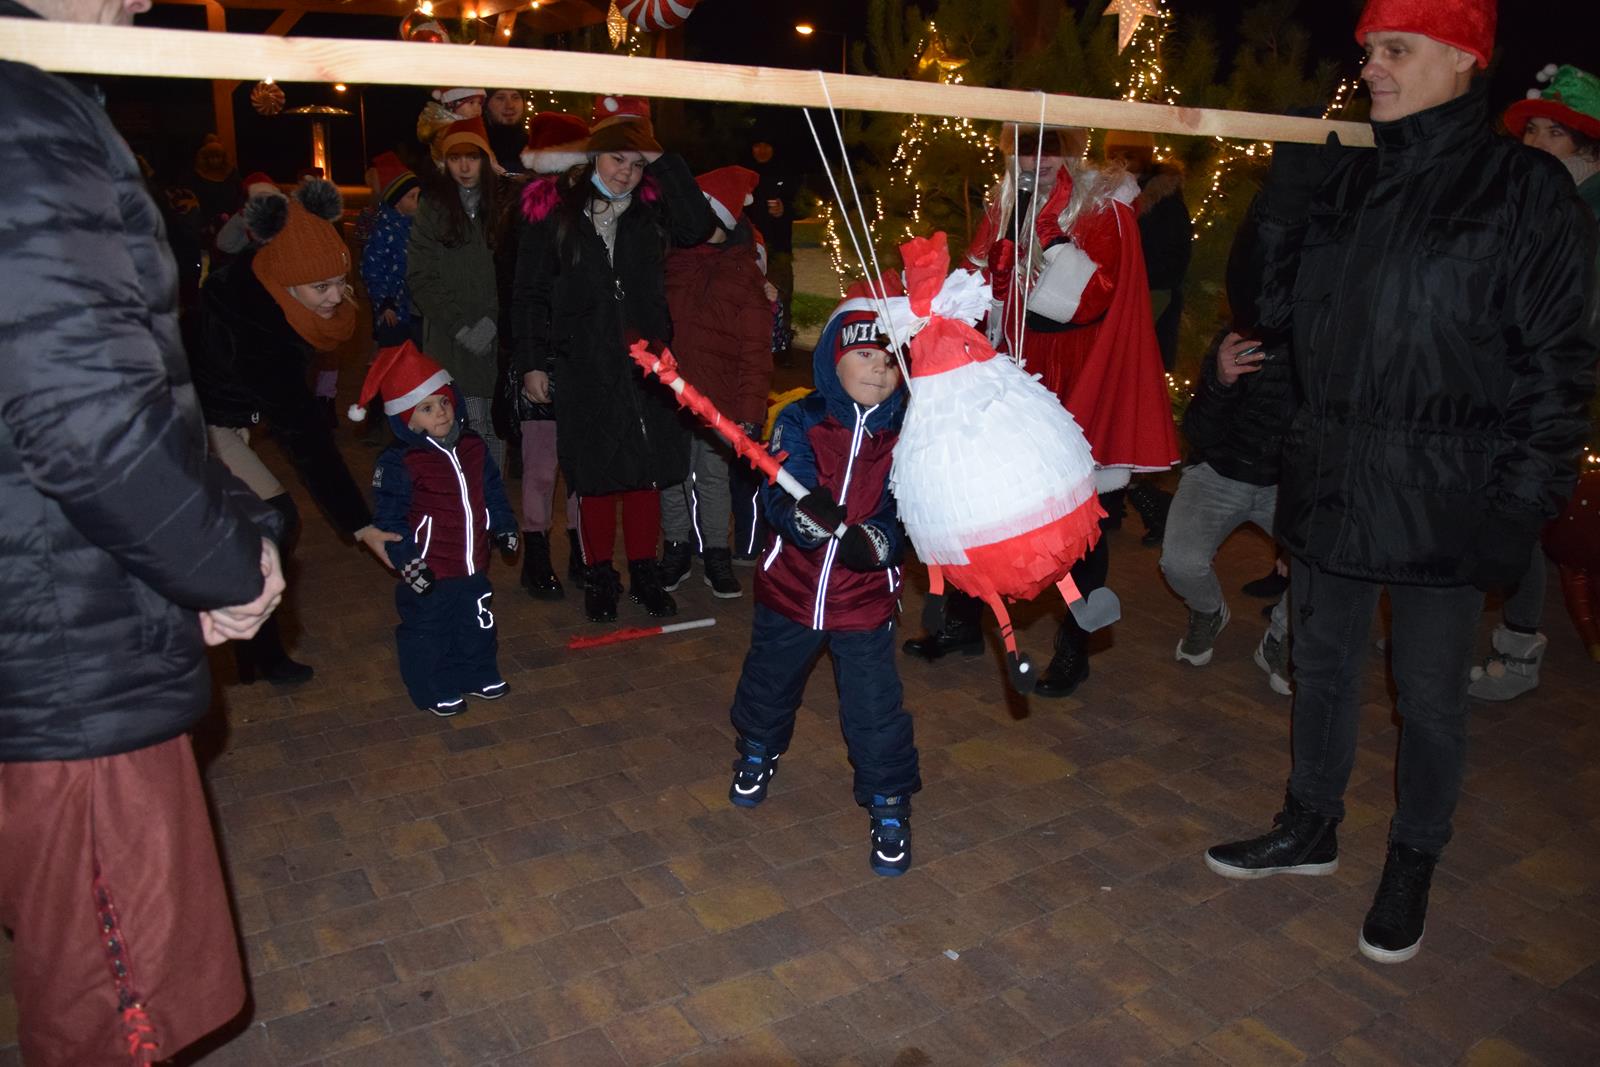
column 604, row 191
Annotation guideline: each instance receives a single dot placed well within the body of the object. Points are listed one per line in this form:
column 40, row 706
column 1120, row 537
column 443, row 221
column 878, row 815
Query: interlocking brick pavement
column 557, row 878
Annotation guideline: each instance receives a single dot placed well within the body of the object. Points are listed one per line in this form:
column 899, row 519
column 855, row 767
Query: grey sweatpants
column 700, row 508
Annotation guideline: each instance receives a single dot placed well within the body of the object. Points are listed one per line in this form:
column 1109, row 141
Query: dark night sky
column 762, row 33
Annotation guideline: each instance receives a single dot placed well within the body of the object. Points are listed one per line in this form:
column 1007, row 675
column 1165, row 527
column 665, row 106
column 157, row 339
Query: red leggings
column 641, row 524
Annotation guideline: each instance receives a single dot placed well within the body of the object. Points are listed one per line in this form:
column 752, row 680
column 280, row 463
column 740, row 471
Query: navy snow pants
column 446, row 639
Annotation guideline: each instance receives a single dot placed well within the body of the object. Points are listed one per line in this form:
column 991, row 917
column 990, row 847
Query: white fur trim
column 1110, row 479
column 610, row 104
column 723, row 215
column 551, row 160
column 1067, row 272
column 356, row 413
column 416, row 396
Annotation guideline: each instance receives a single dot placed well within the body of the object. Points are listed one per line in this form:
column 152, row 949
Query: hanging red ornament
column 654, row 15
column 267, row 98
column 423, row 27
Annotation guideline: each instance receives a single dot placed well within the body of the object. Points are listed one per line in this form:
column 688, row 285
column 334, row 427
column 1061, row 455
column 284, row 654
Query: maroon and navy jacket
column 834, row 443
column 445, row 503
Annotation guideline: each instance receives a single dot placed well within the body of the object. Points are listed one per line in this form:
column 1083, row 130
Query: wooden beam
column 504, row 26
column 304, row 7
column 222, row 91
column 127, row 50
column 285, row 22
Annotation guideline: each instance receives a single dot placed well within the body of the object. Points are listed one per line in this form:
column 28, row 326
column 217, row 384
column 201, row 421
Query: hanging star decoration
column 616, row 25
column 1129, row 14
column 935, row 57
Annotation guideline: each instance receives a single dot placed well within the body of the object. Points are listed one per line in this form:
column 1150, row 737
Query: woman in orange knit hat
column 262, row 319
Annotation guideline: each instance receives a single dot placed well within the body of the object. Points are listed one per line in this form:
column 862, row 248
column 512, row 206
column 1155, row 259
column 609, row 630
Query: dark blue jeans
column 877, row 728
column 1434, row 631
column 446, row 640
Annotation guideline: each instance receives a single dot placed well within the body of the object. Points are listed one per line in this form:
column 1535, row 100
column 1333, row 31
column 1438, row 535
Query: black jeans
column 1434, row 630
column 877, row 728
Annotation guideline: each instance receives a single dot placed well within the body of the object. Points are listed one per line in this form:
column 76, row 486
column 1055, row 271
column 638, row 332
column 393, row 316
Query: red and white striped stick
column 633, row 633
column 665, row 367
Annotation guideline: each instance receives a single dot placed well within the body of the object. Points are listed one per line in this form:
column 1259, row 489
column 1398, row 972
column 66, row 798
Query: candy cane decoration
column 665, row 368
column 634, row 633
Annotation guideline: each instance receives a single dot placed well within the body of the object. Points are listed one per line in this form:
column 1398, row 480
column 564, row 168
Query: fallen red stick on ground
column 633, row 633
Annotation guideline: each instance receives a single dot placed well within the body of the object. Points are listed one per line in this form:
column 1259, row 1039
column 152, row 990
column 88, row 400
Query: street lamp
column 806, row 29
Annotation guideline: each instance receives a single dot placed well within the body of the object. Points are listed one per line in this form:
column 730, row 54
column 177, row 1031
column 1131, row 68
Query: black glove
column 863, row 548
column 1500, row 549
column 752, row 430
column 1297, row 172
column 818, row 515
column 508, row 541
column 419, row 576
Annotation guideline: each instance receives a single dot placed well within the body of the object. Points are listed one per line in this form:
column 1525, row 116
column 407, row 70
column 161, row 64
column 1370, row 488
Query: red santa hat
column 761, row 249
column 404, row 377
column 450, row 97
column 258, row 177
column 1464, row 24
column 729, row 190
column 556, row 142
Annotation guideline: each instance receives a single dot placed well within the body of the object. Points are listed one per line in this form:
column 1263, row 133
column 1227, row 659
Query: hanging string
column 874, row 275
column 1033, row 233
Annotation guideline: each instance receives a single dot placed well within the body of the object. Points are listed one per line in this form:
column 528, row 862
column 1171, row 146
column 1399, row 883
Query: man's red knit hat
column 404, row 377
column 1465, row 24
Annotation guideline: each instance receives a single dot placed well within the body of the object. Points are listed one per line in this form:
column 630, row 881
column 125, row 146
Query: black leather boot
column 1069, row 667
column 1152, row 504
column 644, row 586
column 601, row 587
column 264, row 657
column 538, row 578
column 574, row 556
column 958, row 635
column 1301, row 842
column 1392, row 932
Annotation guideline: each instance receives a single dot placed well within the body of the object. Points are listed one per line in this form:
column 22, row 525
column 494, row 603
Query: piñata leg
column 1018, row 665
column 1582, row 593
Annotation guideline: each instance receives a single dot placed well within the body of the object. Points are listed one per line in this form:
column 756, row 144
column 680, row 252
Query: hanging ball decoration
column 656, row 15
column 424, row 28
column 267, row 98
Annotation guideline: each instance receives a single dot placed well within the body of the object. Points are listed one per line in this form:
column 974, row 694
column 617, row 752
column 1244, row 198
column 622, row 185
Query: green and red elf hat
column 1570, row 96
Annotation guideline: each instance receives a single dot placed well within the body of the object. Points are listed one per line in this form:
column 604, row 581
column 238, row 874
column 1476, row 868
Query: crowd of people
column 1399, row 399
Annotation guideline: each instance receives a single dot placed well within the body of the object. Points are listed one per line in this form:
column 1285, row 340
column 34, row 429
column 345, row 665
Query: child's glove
column 479, row 337
column 419, row 576
column 818, row 515
column 508, row 541
column 863, row 548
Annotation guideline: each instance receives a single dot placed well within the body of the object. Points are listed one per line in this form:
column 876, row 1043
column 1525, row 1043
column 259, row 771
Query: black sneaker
column 492, row 691
column 719, row 574
column 752, row 772
column 891, row 835
column 1269, row 586
column 446, row 708
column 601, row 587
column 644, row 586
column 1303, row 842
column 1392, row 932
column 1200, row 639
column 1272, row 656
column 677, row 560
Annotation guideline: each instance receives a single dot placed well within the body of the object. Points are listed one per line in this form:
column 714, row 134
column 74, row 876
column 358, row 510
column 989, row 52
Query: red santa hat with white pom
column 729, row 190
column 404, row 377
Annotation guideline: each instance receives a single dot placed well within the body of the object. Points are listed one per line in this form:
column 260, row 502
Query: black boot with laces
column 1392, row 932
column 719, row 574
column 1301, row 842
column 891, row 835
column 1069, row 667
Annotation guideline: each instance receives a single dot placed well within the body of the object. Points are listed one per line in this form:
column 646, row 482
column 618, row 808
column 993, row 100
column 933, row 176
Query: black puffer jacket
column 1441, row 301
column 1238, row 429
column 251, row 367
column 118, row 529
column 574, row 314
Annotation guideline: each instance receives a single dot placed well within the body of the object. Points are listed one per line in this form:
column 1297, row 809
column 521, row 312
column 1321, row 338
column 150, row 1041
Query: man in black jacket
column 1439, row 292
column 122, row 547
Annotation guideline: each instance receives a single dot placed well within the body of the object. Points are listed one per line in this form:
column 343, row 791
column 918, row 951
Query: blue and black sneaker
column 751, row 772
column 891, row 835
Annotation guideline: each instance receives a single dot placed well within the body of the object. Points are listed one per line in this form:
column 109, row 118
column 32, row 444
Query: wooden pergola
column 541, row 17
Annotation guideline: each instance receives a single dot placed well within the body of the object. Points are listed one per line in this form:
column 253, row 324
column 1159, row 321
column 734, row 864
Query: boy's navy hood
column 825, row 374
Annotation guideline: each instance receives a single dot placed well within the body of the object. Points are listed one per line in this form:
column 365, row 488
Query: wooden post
column 222, row 90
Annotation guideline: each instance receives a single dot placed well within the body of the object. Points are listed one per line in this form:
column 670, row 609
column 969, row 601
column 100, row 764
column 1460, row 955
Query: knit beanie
column 303, row 246
column 307, row 249
column 1464, row 24
column 394, row 178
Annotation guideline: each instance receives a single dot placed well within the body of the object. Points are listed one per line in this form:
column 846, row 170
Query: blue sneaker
column 447, row 707
column 492, row 691
column 752, row 771
column 891, row 835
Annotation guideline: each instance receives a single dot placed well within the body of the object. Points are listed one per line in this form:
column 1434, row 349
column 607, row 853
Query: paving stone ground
column 558, row 878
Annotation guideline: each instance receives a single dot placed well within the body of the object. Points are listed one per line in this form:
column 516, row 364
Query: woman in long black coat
column 590, row 282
